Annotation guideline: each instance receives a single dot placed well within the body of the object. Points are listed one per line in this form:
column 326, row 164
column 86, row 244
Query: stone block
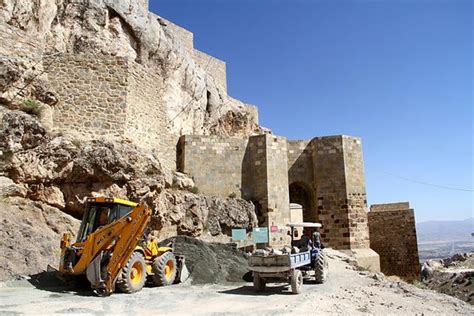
column 366, row 258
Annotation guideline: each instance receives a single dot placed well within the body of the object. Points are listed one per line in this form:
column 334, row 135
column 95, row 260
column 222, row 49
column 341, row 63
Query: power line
column 30, row 81
column 430, row 184
column 191, row 101
column 39, row 57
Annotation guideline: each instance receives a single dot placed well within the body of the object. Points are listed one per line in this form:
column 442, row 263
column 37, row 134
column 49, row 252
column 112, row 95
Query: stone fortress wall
column 324, row 175
column 93, row 94
column 213, row 66
column 110, row 97
column 393, row 237
column 216, row 164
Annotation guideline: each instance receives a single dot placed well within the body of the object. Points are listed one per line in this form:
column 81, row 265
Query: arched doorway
column 301, row 194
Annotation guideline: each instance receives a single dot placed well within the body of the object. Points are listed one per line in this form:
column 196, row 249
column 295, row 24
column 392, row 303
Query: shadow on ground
column 53, row 282
column 250, row 291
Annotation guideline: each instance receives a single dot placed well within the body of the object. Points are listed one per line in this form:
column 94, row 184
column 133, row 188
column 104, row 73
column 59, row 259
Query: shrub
column 194, row 190
column 419, row 284
column 233, row 195
column 6, row 155
column 175, row 185
column 31, row 106
column 76, row 142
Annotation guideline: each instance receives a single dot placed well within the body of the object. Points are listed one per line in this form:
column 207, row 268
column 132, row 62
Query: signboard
column 239, row 234
column 260, row 235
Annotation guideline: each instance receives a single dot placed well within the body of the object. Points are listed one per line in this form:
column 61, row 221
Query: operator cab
column 100, row 212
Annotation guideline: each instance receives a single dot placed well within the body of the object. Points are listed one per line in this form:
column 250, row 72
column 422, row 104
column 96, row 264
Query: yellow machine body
column 103, row 249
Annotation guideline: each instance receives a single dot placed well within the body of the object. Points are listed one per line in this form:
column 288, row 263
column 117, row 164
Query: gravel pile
column 210, row 262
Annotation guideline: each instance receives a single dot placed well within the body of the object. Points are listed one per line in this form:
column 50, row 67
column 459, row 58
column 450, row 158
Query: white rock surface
column 126, row 28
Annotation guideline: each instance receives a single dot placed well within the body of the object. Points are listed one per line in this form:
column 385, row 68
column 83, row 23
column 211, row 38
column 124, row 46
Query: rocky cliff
column 194, row 102
column 453, row 276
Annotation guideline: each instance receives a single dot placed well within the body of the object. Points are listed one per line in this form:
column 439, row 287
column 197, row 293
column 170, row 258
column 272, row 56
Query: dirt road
column 347, row 291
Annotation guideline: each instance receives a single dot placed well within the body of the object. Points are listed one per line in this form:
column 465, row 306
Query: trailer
column 307, row 258
column 279, row 268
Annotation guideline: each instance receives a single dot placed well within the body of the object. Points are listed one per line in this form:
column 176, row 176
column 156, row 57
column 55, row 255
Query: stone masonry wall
column 393, row 237
column 300, row 161
column 92, row 94
column 340, row 191
column 254, row 184
column 329, row 169
column 254, row 168
column 330, row 184
column 181, row 35
column 213, row 66
column 278, row 193
column 356, row 194
column 146, row 119
column 214, row 162
column 111, row 96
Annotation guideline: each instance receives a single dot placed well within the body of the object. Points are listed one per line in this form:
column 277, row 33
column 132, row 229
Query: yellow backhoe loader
column 112, row 251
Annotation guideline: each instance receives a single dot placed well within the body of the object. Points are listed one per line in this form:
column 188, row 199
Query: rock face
column 194, row 101
column 29, row 237
column 453, row 276
column 184, row 213
column 61, row 172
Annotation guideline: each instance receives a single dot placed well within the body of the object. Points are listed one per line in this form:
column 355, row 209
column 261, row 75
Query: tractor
column 306, row 259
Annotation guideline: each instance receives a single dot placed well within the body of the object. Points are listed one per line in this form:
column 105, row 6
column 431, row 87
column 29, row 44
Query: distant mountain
column 447, row 231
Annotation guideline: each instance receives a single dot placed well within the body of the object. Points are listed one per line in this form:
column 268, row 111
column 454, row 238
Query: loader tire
column 296, row 282
column 133, row 275
column 164, row 269
column 259, row 284
column 321, row 268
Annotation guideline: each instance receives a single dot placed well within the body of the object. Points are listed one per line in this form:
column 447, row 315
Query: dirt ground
column 347, row 291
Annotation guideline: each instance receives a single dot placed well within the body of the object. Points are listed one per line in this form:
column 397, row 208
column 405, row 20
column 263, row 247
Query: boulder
column 20, row 131
column 30, row 236
column 182, row 181
column 198, row 215
column 9, row 188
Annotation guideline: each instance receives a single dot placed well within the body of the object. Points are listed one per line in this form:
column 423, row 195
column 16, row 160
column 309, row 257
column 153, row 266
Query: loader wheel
column 321, row 268
column 296, row 282
column 164, row 269
column 259, row 284
column 133, row 275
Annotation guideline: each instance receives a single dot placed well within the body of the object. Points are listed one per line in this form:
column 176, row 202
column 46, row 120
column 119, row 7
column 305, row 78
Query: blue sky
column 396, row 73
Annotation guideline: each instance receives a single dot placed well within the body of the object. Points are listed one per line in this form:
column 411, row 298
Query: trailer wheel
column 259, row 283
column 133, row 274
column 296, row 282
column 321, row 268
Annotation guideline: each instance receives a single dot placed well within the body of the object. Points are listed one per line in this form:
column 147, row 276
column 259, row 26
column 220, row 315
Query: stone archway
column 300, row 193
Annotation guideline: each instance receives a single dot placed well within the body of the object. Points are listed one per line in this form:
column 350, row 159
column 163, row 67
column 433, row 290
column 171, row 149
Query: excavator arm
column 106, row 251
